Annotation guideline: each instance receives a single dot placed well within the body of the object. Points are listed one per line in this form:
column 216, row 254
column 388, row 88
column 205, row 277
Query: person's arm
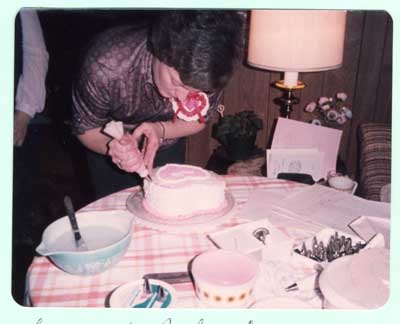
column 31, row 90
column 125, row 153
column 156, row 132
column 21, row 121
column 180, row 128
column 95, row 140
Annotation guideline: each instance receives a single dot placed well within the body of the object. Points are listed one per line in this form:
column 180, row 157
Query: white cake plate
column 198, row 223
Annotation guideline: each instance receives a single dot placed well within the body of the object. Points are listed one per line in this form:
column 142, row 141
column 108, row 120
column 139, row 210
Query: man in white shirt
column 31, row 91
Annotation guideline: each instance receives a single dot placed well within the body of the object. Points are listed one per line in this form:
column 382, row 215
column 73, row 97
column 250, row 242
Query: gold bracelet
column 162, row 138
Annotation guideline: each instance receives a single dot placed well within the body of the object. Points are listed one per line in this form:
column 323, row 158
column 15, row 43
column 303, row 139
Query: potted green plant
column 237, row 133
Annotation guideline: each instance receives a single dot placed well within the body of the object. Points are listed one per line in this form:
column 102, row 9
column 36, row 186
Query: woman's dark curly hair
column 203, row 46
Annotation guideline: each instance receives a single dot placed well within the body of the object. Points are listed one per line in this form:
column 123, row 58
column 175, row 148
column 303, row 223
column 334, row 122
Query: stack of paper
column 307, row 161
column 295, row 135
column 312, row 208
column 329, row 207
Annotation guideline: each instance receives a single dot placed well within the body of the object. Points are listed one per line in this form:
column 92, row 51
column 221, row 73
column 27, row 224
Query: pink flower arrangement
column 330, row 111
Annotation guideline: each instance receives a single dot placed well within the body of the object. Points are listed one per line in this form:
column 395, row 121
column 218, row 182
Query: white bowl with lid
column 358, row 281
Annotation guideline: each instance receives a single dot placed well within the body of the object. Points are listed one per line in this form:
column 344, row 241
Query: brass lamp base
column 288, row 99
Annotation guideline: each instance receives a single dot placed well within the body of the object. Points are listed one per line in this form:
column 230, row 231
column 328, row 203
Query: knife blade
column 170, row 277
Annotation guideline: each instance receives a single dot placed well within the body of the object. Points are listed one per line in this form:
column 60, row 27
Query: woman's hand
column 153, row 132
column 125, row 153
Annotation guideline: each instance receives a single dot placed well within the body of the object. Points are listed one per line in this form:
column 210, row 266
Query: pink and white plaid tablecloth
column 150, row 251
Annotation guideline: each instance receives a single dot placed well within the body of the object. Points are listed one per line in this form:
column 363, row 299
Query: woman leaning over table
column 131, row 75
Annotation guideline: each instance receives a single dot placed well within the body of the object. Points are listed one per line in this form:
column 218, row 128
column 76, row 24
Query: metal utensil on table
column 79, row 242
column 306, row 283
column 335, row 248
column 147, row 293
column 159, row 297
column 153, row 294
column 147, row 286
column 170, row 277
column 310, row 282
column 143, row 151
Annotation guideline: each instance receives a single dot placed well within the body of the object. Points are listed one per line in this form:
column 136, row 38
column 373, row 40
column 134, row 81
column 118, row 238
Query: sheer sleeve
column 91, row 95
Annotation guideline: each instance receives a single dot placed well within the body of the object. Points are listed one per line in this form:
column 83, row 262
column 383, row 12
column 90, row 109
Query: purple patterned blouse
column 116, row 82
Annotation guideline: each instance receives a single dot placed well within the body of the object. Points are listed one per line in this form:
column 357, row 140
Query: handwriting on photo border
column 167, row 321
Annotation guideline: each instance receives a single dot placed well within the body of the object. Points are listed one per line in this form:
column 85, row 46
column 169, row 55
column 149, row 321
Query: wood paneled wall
column 366, row 76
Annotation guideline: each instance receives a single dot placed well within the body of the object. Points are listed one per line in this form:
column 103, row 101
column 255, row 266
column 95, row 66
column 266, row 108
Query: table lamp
column 293, row 41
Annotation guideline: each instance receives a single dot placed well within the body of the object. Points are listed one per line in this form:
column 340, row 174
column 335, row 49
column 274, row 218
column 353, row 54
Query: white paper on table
column 367, row 226
column 241, row 238
column 329, row 207
column 291, row 134
column 261, row 205
column 297, row 227
column 260, row 202
column 308, row 161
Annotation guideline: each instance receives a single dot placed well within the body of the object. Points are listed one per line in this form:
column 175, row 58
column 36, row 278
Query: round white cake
column 183, row 191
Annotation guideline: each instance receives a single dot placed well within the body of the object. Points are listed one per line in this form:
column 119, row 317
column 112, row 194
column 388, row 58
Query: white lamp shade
column 296, row 40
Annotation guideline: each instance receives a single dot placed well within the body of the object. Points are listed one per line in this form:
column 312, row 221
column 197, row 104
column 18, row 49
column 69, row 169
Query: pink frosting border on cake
column 184, row 216
column 180, row 175
column 175, row 172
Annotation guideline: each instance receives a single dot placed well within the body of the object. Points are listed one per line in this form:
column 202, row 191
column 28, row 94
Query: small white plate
column 130, row 295
column 198, row 223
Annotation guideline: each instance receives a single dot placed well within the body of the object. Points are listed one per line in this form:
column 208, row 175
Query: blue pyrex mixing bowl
column 94, row 260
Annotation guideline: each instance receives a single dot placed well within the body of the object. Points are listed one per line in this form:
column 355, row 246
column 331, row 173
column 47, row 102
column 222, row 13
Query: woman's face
column 168, row 82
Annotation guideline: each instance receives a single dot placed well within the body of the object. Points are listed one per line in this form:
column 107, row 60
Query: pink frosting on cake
column 176, row 172
column 183, row 191
column 180, row 175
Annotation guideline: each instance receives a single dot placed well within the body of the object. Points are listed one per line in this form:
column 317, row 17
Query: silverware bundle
column 337, row 247
column 152, row 294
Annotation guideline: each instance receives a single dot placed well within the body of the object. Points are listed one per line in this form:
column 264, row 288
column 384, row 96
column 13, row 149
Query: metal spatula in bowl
column 80, row 243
